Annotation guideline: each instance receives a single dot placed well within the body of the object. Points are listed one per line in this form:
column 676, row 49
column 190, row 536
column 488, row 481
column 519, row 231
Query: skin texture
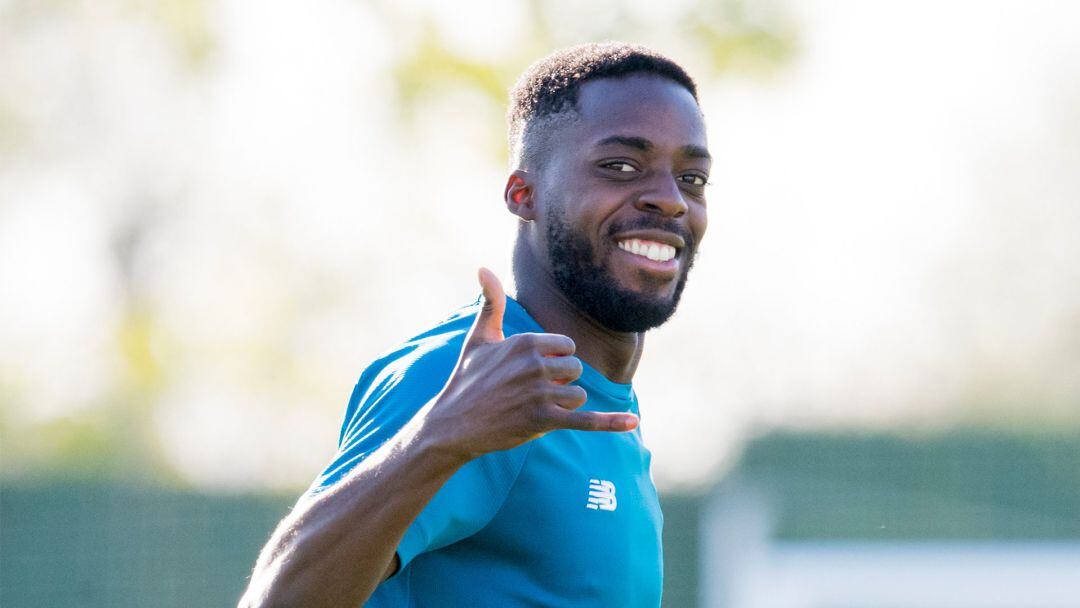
column 578, row 182
column 335, row 548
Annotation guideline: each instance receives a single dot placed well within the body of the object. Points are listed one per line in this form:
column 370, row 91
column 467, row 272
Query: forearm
column 334, row 549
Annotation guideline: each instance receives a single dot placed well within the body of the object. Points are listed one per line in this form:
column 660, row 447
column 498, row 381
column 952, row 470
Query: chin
column 618, row 307
column 594, row 289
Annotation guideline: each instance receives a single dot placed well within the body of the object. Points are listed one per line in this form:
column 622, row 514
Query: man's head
column 610, row 164
column 548, row 91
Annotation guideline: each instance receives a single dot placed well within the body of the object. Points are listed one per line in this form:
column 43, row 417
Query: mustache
column 655, row 223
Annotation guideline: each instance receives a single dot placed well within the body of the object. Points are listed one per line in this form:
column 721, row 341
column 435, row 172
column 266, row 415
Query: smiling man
column 496, row 459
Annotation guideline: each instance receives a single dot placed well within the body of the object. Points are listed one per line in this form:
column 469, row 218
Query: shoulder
column 393, row 387
column 400, row 380
column 436, row 347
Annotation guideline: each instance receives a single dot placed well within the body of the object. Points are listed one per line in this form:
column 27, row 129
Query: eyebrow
column 640, row 143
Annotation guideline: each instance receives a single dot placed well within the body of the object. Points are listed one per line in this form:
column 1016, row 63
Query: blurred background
column 215, row 213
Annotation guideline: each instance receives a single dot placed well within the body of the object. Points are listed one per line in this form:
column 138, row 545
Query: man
column 495, row 459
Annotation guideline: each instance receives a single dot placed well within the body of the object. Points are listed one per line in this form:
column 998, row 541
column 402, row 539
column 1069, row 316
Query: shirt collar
column 589, row 375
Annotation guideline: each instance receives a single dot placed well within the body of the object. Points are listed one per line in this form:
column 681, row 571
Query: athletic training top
column 569, row 519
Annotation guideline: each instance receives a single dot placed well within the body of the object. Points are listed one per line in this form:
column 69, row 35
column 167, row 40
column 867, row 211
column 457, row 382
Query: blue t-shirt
column 569, row 519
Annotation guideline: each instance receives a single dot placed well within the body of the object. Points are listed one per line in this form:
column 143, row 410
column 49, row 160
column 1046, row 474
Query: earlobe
column 518, row 195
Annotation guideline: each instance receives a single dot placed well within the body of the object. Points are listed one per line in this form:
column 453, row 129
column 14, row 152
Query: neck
column 613, row 354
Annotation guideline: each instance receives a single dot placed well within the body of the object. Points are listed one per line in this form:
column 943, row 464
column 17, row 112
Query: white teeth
column 657, row 252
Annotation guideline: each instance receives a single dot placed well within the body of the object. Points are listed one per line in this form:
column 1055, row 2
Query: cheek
column 698, row 224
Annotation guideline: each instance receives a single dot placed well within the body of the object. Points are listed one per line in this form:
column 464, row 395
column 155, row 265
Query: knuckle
column 538, row 392
column 515, row 342
column 551, row 392
column 536, row 365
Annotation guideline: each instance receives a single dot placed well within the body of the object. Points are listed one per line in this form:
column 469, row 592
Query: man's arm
column 335, row 548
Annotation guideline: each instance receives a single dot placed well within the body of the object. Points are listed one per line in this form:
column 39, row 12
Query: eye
column 694, row 179
column 620, row 166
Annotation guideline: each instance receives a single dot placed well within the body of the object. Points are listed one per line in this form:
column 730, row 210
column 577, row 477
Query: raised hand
column 506, row 391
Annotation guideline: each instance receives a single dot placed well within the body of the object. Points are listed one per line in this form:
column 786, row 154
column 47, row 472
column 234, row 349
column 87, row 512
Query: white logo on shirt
column 602, row 495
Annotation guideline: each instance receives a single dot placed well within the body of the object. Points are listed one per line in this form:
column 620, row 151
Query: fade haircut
column 547, row 92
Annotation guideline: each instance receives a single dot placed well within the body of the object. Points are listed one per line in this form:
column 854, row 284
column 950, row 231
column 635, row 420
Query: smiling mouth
column 657, row 252
column 655, row 260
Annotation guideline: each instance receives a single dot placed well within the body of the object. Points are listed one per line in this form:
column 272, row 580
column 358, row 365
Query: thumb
column 489, row 321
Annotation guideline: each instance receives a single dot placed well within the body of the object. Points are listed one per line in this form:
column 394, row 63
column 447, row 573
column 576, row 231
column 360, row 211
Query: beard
column 591, row 287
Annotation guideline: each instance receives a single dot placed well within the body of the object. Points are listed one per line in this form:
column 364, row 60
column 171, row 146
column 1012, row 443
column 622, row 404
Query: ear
column 519, row 195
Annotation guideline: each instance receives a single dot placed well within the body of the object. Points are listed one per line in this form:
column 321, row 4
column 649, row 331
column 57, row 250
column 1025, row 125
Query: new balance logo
column 602, row 495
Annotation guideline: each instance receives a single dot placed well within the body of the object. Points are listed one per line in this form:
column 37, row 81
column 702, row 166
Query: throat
column 614, row 354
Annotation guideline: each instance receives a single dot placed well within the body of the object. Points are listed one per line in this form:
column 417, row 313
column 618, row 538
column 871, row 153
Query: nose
column 663, row 197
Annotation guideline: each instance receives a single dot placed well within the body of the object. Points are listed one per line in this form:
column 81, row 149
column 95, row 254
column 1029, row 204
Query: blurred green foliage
column 968, row 485
column 721, row 38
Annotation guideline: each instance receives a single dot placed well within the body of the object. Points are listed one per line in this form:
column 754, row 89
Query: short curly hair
column 548, row 89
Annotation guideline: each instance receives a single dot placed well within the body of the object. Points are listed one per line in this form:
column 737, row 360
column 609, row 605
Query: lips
column 657, row 252
column 660, row 237
column 656, row 259
column 652, row 251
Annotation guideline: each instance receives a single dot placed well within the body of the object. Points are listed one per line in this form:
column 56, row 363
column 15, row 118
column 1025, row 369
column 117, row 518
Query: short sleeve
column 465, row 504
column 389, row 393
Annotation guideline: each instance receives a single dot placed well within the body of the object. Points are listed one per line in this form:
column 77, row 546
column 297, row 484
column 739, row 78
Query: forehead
column 641, row 105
